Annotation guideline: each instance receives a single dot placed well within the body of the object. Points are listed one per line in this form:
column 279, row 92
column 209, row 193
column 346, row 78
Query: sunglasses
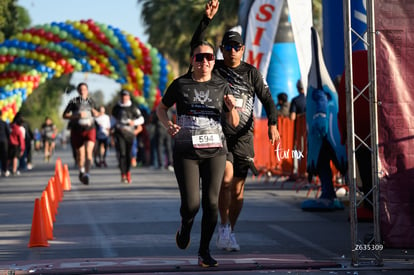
column 199, row 57
column 228, row 48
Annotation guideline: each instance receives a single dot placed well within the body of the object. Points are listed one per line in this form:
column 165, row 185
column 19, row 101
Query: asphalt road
column 113, row 228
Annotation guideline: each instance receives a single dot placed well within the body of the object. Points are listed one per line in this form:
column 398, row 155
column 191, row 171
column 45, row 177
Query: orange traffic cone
column 37, row 234
column 47, row 218
column 59, row 177
column 52, row 199
column 56, row 189
column 67, row 185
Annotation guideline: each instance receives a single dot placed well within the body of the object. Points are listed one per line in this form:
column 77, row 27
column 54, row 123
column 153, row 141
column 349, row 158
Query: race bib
column 239, row 103
column 207, row 141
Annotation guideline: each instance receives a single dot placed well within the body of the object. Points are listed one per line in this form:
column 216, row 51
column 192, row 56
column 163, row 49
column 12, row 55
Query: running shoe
column 223, row 236
column 205, row 259
column 124, row 178
column 81, row 177
column 233, row 245
column 128, row 177
column 85, row 179
column 182, row 238
column 6, row 173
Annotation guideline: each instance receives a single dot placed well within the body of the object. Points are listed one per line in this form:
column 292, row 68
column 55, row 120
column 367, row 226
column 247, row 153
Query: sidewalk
column 112, row 228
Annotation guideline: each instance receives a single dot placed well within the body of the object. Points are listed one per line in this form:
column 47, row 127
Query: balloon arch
column 52, row 50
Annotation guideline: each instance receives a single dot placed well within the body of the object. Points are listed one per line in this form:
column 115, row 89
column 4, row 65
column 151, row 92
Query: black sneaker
column 182, row 238
column 85, row 179
column 81, row 177
column 205, row 259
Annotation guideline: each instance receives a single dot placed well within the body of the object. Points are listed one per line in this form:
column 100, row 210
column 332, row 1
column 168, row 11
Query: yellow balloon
column 76, row 24
column 96, row 69
column 83, row 27
column 36, row 39
column 89, row 34
column 92, row 62
column 51, row 64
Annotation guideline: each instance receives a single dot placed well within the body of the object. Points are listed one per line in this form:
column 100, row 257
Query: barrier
column 287, row 158
column 274, row 159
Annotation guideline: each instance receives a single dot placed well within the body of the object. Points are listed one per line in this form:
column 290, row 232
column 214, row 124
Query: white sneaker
column 233, row 245
column 223, row 237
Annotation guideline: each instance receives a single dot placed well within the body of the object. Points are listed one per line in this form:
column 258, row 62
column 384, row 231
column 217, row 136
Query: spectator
column 4, row 144
column 282, row 105
column 298, row 104
column 17, row 144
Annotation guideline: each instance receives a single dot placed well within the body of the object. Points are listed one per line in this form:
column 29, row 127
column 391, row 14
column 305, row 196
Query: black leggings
column 123, row 149
column 188, row 173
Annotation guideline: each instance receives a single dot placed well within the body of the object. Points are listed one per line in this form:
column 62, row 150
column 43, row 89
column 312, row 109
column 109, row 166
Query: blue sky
column 123, row 14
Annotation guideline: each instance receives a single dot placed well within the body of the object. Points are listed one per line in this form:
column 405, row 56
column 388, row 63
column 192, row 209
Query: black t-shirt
column 123, row 115
column 199, row 112
column 78, row 104
column 246, row 82
column 298, row 104
column 48, row 131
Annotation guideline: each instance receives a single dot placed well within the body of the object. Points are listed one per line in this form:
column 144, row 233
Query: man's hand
column 273, row 134
column 212, row 8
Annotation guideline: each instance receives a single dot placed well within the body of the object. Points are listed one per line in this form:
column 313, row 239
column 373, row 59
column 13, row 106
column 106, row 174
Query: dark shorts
column 241, row 165
column 14, row 151
column 79, row 137
column 48, row 140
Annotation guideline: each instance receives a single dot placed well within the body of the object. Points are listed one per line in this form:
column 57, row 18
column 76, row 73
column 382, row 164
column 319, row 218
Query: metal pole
column 350, row 129
column 372, row 73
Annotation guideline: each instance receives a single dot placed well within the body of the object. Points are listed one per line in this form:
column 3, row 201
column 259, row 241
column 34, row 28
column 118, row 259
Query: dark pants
column 123, row 149
column 164, row 149
column 188, row 173
column 4, row 155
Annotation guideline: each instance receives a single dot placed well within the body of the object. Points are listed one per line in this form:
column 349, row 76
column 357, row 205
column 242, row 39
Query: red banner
column 395, row 82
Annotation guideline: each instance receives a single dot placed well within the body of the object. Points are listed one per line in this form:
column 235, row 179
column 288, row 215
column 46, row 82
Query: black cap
column 232, row 36
column 124, row 92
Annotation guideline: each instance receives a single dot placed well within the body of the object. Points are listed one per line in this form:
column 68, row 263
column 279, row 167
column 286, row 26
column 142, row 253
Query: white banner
column 301, row 18
column 261, row 30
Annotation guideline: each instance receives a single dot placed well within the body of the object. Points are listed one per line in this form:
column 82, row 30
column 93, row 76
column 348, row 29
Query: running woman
column 199, row 144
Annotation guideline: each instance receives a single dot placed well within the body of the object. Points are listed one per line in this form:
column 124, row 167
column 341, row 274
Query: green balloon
column 4, row 50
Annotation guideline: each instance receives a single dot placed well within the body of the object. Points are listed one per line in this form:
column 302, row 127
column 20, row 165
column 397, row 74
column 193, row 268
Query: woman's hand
column 212, row 8
column 173, row 129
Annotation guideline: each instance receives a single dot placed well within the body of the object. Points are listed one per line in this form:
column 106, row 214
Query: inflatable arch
column 51, row 50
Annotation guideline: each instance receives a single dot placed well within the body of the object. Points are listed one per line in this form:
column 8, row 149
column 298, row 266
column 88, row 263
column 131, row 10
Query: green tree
column 13, row 19
column 45, row 101
column 98, row 97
